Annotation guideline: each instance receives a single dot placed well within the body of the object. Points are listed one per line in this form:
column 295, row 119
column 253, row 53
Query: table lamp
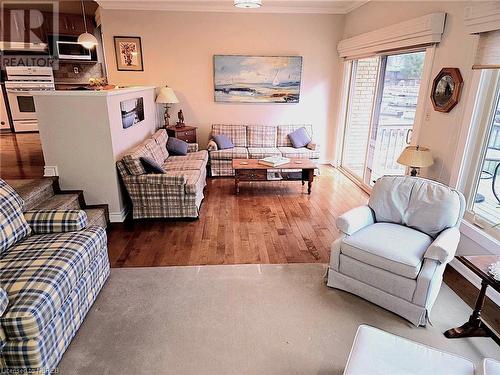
column 416, row 157
column 166, row 96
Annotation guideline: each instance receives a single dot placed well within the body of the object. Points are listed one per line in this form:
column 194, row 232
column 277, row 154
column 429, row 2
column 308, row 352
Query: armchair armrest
column 355, row 219
column 170, row 179
column 56, row 221
column 192, row 147
column 212, row 146
column 444, row 246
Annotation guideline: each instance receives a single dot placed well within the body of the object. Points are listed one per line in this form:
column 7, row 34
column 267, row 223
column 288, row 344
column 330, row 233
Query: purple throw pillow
column 299, row 138
column 176, row 146
column 151, row 166
column 223, row 142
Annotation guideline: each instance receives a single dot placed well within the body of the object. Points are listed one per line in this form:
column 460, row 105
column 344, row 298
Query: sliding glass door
column 383, row 98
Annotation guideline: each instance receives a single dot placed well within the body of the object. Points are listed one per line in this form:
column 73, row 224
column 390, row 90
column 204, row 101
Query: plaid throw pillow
column 56, row 221
column 13, row 226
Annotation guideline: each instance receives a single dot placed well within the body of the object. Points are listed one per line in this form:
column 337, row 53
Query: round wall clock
column 446, row 89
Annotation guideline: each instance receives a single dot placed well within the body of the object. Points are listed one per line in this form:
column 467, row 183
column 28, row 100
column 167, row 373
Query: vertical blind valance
column 488, row 51
column 417, row 32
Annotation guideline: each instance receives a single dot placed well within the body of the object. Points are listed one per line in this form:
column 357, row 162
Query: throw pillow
column 223, row 142
column 176, row 146
column 299, row 138
column 13, row 225
column 150, row 165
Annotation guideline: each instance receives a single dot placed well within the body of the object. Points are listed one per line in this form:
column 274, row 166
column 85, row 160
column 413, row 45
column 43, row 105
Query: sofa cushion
column 299, row 138
column 303, row 152
column 229, row 154
column 40, row 272
column 416, row 202
column 132, row 161
column 151, row 166
column 161, row 139
column 155, row 150
column 283, row 131
column 261, row 136
column 392, row 247
column 184, row 165
column 198, row 155
column 262, row 152
column 13, row 225
column 177, row 146
column 223, row 142
column 236, row 133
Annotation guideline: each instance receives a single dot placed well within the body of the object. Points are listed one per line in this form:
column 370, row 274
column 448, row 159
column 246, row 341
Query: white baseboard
column 50, row 171
column 118, row 217
column 475, row 280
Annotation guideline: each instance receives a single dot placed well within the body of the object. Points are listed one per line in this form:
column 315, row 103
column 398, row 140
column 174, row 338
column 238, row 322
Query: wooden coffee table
column 251, row 170
column 475, row 327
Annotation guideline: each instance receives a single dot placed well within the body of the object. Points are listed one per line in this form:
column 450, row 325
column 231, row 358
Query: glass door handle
column 409, row 132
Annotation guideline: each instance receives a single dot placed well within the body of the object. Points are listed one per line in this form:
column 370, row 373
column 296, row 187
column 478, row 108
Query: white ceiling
column 268, row 6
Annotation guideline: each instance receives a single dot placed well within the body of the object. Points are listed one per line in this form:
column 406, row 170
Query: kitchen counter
column 115, row 91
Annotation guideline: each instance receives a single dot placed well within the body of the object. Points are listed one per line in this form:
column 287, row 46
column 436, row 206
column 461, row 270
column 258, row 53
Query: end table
column 185, row 133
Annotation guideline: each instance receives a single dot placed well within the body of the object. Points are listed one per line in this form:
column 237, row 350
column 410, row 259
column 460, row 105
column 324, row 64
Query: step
column 33, row 191
column 96, row 216
column 60, row 202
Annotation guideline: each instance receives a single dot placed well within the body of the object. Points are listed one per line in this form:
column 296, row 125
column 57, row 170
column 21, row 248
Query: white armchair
column 393, row 251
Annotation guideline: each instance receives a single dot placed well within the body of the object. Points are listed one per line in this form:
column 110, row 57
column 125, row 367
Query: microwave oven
column 72, row 51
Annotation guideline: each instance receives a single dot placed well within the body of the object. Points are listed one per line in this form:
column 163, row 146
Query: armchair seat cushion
column 230, row 154
column 391, row 247
column 262, row 152
column 302, row 152
column 40, row 272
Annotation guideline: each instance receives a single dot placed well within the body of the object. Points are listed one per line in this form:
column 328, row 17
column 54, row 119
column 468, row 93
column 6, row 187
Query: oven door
column 22, row 105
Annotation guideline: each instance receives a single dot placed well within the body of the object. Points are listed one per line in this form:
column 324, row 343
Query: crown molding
column 269, row 6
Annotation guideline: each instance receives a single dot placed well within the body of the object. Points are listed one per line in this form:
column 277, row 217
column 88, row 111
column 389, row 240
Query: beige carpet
column 242, row 319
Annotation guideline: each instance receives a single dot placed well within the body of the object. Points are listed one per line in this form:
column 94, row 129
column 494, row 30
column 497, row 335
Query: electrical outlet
column 76, row 70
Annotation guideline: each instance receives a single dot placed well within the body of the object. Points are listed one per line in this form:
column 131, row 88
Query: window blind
column 488, row 51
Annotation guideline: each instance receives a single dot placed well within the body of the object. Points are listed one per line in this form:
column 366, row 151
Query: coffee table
column 251, row 170
column 475, row 327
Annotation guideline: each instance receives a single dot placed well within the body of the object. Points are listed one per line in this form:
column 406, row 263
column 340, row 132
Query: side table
column 185, row 133
column 475, row 327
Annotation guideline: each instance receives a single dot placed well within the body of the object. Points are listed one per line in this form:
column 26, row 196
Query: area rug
column 241, row 319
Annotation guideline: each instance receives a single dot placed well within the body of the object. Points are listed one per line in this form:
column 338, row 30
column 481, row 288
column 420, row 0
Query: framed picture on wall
column 132, row 112
column 128, row 50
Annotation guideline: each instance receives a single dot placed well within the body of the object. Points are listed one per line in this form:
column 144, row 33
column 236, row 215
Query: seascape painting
column 257, row 79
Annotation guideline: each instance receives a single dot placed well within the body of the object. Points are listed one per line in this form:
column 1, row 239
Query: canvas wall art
column 257, row 79
column 132, row 112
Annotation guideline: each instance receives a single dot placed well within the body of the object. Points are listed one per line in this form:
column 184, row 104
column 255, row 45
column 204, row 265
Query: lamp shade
column 248, row 3
column 87, row 40
column 416, row 156
column 166, row 96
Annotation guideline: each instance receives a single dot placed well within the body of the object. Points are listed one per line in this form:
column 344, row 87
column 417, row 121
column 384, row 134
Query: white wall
column 82, row 138
column 178, row 49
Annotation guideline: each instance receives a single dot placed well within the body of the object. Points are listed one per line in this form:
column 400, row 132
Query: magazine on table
column 274, row 161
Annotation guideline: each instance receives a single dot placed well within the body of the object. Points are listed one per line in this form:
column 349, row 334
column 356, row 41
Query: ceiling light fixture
column 86, row 39
column 248, row 3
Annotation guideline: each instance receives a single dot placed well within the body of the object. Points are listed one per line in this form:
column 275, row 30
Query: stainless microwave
column 72, row 51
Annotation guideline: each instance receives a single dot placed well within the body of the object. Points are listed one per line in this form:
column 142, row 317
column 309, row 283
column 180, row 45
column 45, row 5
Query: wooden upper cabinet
column 23, row 26
column 72, row 24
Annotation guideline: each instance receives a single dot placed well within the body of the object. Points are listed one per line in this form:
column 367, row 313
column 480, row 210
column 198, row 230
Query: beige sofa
column 177, row 193
column 256, row 142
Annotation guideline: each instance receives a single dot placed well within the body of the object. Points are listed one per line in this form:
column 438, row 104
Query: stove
column 20, row 81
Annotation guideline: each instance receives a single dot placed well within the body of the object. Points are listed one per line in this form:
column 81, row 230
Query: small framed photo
column 128, row 50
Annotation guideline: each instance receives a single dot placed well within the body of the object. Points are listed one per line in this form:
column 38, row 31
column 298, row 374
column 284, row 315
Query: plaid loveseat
column 176, row 193
column 51, row 270
column 256, row 142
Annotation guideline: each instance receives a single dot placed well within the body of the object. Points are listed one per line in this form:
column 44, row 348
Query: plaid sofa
column 49, row 278
column 256, row 142
column 177, row 193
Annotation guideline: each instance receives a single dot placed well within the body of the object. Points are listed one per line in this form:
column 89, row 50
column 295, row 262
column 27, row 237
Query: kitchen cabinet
column 70, row 24
column 23, row 26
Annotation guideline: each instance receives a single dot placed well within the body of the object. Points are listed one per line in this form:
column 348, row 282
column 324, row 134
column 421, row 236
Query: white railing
column 391, row 140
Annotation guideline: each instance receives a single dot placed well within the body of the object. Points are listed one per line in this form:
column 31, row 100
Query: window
column 383, row 96
column 484, row 181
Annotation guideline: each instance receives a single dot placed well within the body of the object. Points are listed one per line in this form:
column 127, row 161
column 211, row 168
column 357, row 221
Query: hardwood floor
column 266, row 223
column 21, row 155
